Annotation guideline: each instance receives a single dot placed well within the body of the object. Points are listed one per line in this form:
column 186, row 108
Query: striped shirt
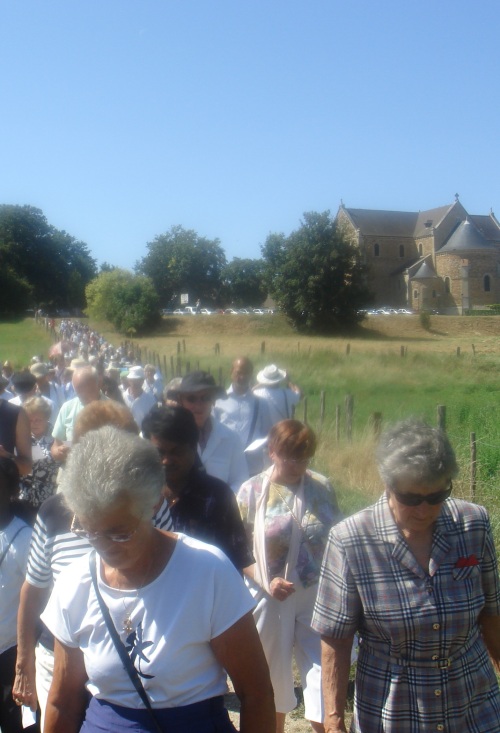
column 423, row 665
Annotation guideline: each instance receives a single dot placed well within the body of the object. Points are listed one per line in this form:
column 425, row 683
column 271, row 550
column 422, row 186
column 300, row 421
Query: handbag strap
column 119, row 645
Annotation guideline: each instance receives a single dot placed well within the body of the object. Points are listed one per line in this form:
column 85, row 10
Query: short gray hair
column 107, row 465
column 38, row 404
column 414, row 450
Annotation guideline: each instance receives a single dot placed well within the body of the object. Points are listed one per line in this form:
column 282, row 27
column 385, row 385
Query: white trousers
column 285, row 627
column 44, row 666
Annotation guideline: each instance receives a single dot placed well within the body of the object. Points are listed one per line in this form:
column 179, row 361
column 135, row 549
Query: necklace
column 127, row 623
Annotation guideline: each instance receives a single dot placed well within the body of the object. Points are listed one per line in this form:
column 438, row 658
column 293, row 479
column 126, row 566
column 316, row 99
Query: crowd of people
column 157, row 539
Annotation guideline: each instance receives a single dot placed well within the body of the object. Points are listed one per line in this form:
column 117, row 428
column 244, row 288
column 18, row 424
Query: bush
column 425, row 320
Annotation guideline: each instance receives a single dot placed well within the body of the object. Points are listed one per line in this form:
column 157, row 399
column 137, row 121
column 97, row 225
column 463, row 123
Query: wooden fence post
column 263, row 347
column 376, row 423
column 348, row 349
column 321, row 408
column 441, row 417
column 473, row 465
column 402, row 351
column 178, row 347
column 349, row 409
column 473, row 350
column 164, row 366
column 183, row 346
column 458, row 350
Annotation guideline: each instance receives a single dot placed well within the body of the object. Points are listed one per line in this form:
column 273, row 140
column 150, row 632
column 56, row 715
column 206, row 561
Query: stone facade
column 442, row 259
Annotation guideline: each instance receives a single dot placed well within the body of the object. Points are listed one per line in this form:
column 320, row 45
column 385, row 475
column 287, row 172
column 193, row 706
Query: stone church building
column 443, row 259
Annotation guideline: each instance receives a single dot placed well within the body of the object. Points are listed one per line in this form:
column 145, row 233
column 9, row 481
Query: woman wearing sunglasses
column 288, row 511
column 416, row 575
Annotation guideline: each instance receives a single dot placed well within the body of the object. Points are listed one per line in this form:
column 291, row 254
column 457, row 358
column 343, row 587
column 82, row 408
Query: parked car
column 244, row 311
column 190, row 310
column 231, row 312
column 205, row 312
column 179, row 312
column 258, row 311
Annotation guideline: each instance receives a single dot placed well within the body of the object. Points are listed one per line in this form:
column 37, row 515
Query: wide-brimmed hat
column 39, row 370
column 78, row 363
column 270, row 375
column 198, row 381
column 136, row 372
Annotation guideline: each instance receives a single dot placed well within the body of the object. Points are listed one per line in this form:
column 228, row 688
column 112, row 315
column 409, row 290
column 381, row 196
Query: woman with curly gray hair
column 416, row 575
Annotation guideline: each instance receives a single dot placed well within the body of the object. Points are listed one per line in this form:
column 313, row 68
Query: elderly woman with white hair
column 416, row 574
column 150, row 621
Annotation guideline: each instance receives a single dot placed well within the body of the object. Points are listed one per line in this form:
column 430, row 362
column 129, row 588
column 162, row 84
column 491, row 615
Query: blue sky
column 121, row 118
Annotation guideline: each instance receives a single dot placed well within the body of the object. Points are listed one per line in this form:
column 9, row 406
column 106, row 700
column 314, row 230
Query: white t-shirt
column 197, row 597
column 12, row 571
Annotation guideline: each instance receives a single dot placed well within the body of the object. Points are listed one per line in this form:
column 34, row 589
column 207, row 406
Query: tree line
column 315, row 275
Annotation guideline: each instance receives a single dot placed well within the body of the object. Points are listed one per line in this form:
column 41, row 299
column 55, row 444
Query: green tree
column 180, row 261
column 316, row 275
column 54, row 264
column 129, row 302
column 243, row 282
column 15, row 292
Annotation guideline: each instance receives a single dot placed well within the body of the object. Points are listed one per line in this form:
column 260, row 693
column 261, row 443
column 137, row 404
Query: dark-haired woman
column 288, row 511
column 15, row 538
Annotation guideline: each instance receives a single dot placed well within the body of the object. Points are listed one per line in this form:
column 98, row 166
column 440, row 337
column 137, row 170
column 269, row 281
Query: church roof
column 424, row 271
column 466, row 237
column 380, row 223
column 487, row 225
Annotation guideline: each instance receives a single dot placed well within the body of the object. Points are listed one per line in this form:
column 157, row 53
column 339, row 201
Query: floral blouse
column 321, row 512
column 41, row 482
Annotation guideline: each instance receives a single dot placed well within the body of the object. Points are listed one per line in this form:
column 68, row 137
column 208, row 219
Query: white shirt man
column 138, row 401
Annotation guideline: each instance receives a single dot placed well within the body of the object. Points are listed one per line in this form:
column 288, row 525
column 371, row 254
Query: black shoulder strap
column 120, row 647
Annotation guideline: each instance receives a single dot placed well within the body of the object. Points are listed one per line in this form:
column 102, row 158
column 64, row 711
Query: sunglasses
column 193, row 399
column 409, row 499
column 77, row 529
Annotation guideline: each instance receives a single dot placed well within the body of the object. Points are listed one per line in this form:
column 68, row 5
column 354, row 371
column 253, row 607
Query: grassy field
column 21, row 339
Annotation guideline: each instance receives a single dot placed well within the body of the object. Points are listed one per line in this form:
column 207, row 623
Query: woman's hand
column 24, row 690
column 281, row 588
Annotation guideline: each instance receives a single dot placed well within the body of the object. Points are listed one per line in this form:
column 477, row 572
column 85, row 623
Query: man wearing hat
column 138, row 401
column 219, row 447
column 274, row 386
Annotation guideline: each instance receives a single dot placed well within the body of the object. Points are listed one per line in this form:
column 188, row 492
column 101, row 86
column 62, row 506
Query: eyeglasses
column 296, row 461
column 193, row 399
column 95, row 536
column 409, row 499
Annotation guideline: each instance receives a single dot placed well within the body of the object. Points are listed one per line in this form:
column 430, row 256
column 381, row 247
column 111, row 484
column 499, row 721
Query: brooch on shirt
column 466, row 562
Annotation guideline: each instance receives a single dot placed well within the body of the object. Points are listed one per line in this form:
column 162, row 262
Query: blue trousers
column 207, row 716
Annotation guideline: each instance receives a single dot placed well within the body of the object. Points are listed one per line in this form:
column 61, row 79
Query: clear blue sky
column 121, row 118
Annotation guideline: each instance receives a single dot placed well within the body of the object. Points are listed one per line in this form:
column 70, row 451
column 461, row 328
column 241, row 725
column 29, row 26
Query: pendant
column 127, row 624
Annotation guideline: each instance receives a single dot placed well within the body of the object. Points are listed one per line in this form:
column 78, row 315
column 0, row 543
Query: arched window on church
column 447, row 285
column 401, row 250
column 376, row 250
column 487, row 283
